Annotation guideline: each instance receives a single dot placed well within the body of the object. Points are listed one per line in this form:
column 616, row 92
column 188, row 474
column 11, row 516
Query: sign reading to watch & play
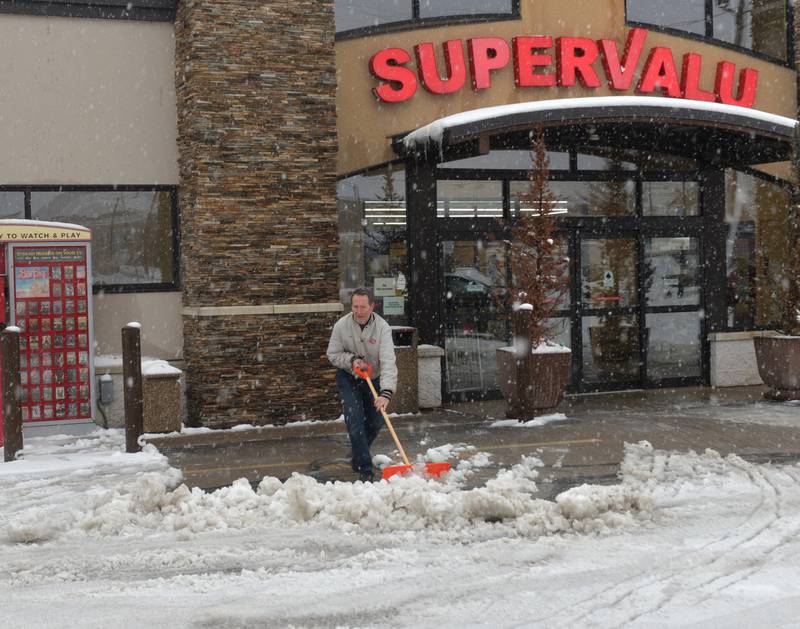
column 544, row 61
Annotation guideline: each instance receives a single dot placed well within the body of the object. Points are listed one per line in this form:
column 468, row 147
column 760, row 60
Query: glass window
column 372, row 240
column 608, row 273
column 758, row 25
column 352, row 14
column 682, row 15
column 610, row 348
column 509, row 160
column 673, row 345
column 469, row 199
column 582, row 198
column 440, row 8
column 670, row 198
column 12, row 205
column 160, row 10
column 475, row 315
column 605, row 158
column 132, row 232
column 757, row 251
column 672, row 271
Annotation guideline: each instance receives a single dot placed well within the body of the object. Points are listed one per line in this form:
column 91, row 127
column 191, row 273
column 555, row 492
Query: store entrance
column 634, row 314
column 640, row 311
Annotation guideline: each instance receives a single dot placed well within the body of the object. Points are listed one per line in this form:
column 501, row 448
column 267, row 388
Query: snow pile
column 60, row 478
column 158, row 367
column 116, row 494
column 152, row 500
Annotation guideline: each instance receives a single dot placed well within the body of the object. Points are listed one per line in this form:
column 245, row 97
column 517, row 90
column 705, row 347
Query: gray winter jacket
column 373, row 344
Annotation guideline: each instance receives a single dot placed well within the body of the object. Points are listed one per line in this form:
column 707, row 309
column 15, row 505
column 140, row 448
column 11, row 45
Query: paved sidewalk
column 585, row 447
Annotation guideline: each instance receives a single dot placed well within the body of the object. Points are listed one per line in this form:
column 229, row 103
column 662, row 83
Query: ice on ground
column 531, row 423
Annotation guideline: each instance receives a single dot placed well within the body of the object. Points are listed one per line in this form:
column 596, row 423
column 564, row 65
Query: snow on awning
column 642, row 109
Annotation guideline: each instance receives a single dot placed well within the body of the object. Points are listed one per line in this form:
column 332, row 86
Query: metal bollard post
column 132, row 386
column 12, row 412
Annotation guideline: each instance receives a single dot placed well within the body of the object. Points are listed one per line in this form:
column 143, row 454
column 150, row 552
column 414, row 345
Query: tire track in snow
column 725, row 581
column 634, row 585
column 683, row 582
column 769, row 500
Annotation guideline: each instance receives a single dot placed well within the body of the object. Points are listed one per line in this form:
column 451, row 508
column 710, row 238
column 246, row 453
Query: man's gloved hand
column 358, row 363
column 381, row 403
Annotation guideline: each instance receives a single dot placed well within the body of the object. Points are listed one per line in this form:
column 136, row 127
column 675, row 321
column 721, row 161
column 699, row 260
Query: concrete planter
column 162, row 402
column 778, row 360
column 533, row 385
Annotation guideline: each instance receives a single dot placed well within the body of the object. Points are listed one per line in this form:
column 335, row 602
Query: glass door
column 674, row 313
column 475, row 321
column 611, row 344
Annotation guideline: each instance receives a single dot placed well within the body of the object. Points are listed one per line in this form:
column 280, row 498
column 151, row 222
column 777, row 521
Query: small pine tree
column 535, row 257
column 387, row 188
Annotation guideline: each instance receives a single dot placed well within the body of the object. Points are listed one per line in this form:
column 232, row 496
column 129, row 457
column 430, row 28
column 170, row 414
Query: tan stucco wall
column 87, row 101
column 365, row 125
column 159, row 314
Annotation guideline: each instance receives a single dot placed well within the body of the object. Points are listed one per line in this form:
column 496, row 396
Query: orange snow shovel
column 431, row 469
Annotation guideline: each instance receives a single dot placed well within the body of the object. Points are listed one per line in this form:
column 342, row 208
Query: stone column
column 256, row 90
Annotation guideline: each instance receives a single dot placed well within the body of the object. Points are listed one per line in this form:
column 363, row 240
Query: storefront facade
column 243, row 165
column 667, row 173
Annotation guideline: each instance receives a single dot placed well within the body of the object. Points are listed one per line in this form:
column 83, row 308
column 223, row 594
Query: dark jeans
column 363, row 420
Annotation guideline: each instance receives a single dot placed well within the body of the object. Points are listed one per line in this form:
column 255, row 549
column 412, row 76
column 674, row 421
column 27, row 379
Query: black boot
column 366, row 477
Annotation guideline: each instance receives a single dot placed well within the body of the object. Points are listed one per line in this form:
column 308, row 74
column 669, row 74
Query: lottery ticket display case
column 45, row 276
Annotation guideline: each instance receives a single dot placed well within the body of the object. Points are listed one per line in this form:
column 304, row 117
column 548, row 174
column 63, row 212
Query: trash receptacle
column 406, row 398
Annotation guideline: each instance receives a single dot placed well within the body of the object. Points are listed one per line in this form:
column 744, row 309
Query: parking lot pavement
column 586, row 446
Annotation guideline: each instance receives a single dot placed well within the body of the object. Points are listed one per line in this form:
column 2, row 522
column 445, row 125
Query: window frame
column 417, row 22
column 708, row 37
column 160, row 287
column 778, row 182
column 144, row 10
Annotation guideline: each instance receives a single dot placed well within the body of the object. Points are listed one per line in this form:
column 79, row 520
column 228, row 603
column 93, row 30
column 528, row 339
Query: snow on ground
column 93, row 537
column 765, row 413
column 542, row 420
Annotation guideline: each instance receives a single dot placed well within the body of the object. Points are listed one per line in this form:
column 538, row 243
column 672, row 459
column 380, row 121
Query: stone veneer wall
column 256, row 90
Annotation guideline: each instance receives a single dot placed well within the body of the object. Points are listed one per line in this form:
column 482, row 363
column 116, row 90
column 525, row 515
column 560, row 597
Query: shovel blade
column 433, row 470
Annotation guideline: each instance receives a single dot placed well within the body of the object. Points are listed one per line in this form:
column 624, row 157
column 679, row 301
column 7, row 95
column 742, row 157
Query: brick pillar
column 256, row 90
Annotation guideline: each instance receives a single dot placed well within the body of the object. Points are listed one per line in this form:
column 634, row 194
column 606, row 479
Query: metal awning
column 708, row 131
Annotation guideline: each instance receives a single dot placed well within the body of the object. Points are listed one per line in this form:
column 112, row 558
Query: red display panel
column 51, row 307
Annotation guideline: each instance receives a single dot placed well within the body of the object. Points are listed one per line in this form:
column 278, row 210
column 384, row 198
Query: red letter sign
column 429, row 73
column 572, row 65
column 620, row 75
column 487, row 54
column 748, row 81
column 401, row 83
column 525, row 60
column 692, row 63
column 659, row 73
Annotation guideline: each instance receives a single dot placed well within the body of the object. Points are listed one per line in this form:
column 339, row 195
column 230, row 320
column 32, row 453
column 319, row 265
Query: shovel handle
column 366, row 373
